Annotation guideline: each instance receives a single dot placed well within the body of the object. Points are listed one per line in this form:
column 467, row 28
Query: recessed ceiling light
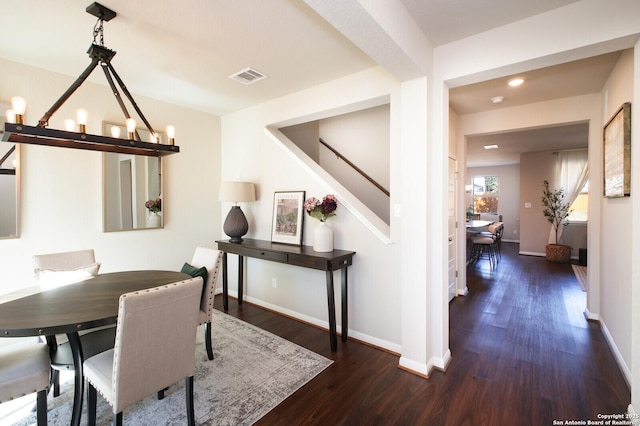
column 516, row 82
column 497, row 99
column 491, row 147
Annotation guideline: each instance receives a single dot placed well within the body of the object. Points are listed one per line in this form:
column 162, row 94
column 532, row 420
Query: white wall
column 363, row 138
column 374, row 284
column 635, row 247
column 615, row 247
column 62, row 188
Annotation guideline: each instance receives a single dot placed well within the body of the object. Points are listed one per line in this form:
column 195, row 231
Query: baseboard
column 590, row 316
column 416, row 368
column 463, row 291
column 626, row 372
column 441, row 363
column 632, row 416
column 364, row 338
column 535, row 253
column 532, row 253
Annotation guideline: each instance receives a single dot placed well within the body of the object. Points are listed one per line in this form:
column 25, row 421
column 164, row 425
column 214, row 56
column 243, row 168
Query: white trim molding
column 616, row 353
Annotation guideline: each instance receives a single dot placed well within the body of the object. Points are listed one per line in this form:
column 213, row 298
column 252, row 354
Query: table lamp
column 235, row 225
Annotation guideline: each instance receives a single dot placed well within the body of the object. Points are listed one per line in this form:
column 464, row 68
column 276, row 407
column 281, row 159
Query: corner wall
column 374, row 291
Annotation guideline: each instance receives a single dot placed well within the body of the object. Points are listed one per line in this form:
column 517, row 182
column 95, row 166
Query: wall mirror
column 132, row 186
column 9, row 183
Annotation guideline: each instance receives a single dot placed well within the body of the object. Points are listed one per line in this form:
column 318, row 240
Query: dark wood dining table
column 74, row 307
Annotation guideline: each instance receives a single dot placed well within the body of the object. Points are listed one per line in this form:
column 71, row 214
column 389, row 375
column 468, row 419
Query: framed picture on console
column 288, row 214
column 617, row 153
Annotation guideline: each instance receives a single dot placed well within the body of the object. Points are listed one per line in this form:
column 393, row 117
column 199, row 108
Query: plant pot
column 559, row 253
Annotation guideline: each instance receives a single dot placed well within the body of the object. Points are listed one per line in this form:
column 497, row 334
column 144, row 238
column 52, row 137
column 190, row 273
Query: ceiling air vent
column 247, row 76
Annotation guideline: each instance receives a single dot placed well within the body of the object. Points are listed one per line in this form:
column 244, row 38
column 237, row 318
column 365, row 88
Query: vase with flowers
column 154, row 207
column 322, row 210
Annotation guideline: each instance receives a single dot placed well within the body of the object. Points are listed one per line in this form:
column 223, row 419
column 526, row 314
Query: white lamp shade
column 237, row 192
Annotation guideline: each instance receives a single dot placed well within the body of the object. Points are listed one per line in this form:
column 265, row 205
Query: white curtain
column 572, row 172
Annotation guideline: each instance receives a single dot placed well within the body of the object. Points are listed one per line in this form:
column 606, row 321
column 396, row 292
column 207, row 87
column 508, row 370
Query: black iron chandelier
column 17, row 132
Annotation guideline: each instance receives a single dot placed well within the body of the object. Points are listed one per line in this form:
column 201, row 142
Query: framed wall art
column 617, row 153
column 288, row 214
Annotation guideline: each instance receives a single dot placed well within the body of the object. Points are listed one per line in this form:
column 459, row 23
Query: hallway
column 526, row 348
column 522, row 353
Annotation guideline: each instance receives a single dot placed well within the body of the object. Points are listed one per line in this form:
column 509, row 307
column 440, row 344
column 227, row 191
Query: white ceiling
column 561, row 81
column 444, row 21
column 512, row 144
column 183, row 52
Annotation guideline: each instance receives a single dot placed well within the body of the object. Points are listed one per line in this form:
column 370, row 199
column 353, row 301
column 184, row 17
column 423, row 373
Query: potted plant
column 556, row 211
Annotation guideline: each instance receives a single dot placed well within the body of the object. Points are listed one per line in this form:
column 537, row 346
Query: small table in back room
column 303, row 256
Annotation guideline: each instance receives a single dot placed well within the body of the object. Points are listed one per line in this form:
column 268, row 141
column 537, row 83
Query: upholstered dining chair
column 55, row 269
column 24, row 369
column 210, row 259
column 154, row 348
column 488, row 244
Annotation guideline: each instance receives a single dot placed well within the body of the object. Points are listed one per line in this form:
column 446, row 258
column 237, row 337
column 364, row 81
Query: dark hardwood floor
column 522, row 353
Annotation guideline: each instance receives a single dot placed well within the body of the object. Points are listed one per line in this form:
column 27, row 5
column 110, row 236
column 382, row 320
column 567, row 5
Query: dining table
column 477, row 224
column 90, row 303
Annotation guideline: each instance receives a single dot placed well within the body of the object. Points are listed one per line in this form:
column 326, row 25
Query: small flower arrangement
column 321, row 210
column 154, row 206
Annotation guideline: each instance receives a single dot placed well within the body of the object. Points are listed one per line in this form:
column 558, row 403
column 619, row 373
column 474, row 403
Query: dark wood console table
column 292, row 255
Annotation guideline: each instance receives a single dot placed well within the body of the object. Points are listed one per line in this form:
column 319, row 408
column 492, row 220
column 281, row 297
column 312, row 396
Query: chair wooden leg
column 207, row 340
column 161, row 393
column 42, row 407
column 191, row 419
column 55, row 382
column 117, row 419
column 92, row 400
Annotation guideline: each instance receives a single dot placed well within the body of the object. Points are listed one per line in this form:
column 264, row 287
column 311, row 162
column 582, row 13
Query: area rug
column 251, row 373
column 581, row 275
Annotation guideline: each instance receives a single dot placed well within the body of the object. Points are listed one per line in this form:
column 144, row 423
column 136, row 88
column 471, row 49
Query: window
column 579, row 208
column 485, row 194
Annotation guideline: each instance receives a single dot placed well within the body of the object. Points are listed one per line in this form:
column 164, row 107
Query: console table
column 303, row 256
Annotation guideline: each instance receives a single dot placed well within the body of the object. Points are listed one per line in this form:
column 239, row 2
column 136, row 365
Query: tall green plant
column 555, row 209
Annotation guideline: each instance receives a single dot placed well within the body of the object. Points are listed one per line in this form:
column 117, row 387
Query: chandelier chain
column 98, row 30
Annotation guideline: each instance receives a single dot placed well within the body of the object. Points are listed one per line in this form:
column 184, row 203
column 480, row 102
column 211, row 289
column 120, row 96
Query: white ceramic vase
column 323, row 238
column 154, row 220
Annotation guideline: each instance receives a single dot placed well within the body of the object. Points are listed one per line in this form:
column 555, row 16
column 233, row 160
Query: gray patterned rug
column 252, row 372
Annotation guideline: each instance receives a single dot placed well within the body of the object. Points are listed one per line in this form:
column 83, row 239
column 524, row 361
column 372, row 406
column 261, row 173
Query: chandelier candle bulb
column 115, row 132
column 70, row 125
column 131, row 128
column 19, row 106
column 11, row 116
column 82, row 116
column 171, row 134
